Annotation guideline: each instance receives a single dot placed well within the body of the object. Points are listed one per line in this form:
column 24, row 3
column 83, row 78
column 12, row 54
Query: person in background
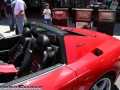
column 47, row 14
column 25, row 7
column 9, row 13
column 25, row 19
column 19, row 14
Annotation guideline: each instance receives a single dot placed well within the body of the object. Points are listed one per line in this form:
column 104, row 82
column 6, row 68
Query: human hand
column 17, row 16
column 14, row 16
column 6, row 15
column 46, row 12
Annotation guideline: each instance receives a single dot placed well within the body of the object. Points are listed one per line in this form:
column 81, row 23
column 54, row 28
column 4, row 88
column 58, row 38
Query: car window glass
column 52, row 35
column 42, row 30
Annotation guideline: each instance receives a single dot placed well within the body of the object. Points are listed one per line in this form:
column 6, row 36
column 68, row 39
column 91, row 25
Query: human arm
column 13, row 7
column 49, row 11
column 4, row 4
column 5, row 12
column 44, row 12
column 25, row 7
column 20, row 13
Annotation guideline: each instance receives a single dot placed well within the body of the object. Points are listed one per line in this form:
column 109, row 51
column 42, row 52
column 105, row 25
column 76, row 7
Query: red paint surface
column 7, row 68
column 84, row 68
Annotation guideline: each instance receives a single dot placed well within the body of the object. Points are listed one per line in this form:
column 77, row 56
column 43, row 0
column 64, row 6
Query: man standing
column 19, row 14
column 13, row 7
column 9, row 14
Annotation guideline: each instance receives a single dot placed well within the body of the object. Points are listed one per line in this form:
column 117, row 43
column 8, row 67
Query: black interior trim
column 63, row 50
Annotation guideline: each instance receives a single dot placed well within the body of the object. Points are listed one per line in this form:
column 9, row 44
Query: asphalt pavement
column 4, row 29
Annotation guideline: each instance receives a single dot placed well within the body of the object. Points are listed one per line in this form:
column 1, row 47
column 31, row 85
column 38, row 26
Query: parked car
column 59, row 58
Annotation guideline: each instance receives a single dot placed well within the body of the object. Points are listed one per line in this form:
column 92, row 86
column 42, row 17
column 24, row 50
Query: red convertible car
column 48, row 57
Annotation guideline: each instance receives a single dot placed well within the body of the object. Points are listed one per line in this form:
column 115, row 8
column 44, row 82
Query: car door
column 57, row 77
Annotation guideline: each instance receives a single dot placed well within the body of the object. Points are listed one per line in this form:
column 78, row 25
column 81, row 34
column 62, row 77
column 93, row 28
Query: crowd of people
column 15, row 12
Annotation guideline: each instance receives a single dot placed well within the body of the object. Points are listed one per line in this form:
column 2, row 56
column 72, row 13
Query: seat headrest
column 43, row 42
column 26, row 32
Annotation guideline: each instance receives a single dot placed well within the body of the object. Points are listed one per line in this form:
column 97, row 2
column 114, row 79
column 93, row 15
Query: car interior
column 16, row 53
column 35, row 50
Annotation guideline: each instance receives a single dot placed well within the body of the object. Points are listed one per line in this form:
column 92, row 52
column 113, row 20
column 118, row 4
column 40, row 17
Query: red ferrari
column 48, row 57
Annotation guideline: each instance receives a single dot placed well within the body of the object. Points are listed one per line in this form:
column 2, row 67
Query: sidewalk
column 4, row 28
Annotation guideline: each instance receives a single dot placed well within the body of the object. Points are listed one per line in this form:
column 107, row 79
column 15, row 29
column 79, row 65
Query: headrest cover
column 26, row 32
column 43, row 42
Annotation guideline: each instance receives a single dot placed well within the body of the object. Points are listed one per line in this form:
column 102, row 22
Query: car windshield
column 44, row 28
column 49, row 31
column 41, row 30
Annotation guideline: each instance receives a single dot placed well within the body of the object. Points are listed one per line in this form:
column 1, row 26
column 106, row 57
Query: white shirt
column 18, row 7
column 47, row 13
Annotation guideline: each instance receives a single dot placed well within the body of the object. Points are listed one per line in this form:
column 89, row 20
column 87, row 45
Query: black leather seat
column 38, row 59
column 29, row 49
column 16, row 53
column 39, row 55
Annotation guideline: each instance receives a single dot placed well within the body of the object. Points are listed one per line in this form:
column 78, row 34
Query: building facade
column 35, row 7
